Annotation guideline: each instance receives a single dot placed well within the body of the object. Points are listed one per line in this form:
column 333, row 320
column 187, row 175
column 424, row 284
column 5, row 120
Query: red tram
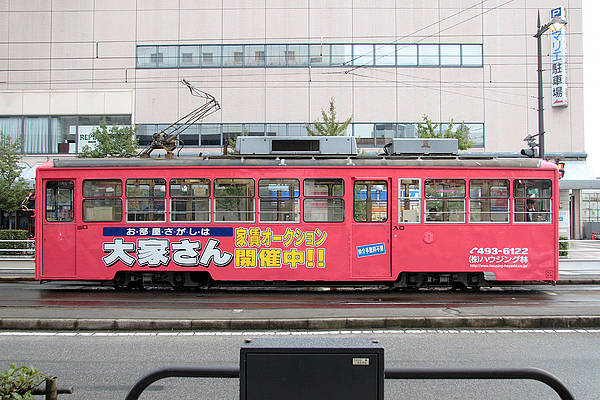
column 406, row 222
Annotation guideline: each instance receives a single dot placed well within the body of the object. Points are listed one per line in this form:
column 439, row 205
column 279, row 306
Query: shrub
column 19, row 383
column 11, row 234
column 563, row 246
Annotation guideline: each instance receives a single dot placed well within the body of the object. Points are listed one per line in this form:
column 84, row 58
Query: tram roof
column 232, row 161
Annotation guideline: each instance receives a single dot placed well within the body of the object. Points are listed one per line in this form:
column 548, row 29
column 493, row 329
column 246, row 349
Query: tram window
column 409, row 200
column 102, row 210
column 445, row 200
column 370, row 201
column 234, row 200
column 279, row 200
column 533, row 200
column 102, row 188
column 146, row 200
column 324, row 210
column 488, row 200
column 323, row 187
column 105, row 204
column 59, row 201
column 190, row 200
column 327, row 207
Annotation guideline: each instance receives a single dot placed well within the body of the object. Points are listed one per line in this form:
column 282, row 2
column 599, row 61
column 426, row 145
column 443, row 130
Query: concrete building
column 66, row 65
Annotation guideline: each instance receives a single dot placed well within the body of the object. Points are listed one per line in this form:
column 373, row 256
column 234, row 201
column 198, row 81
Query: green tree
column 329, row 126
column 114, row 142
column 13, row 188
column 430, row 130
column 19, row 383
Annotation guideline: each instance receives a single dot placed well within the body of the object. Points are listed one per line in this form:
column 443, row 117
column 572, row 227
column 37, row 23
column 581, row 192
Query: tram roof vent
column 422, row 146
column 296, row 145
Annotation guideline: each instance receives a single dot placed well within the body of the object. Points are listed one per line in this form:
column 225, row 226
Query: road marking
column 302, row 333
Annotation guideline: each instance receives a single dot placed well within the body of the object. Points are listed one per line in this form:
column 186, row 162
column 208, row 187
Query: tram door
column 371, row 228
column 58, row 230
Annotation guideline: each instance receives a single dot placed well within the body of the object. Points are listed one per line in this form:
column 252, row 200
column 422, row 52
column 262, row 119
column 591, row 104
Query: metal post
column 51, row 389
column 540, row 91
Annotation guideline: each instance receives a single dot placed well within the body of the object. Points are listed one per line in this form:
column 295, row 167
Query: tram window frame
column 332, row 202
column 221, row 199
column 266, row 199
column 444, row 202
column 404, row 200
column 57, row 210
column 178, row 196
column 369, row 202
column 155, row 203
column 542, row 201
column 488, row 201
column 100, row 206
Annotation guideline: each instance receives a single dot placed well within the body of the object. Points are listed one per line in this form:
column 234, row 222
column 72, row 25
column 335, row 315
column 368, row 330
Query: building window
column 210, row 56
column 233, row 56
column 189, row 56
column 314, row 54
column 167, row 56
column 341, row 55
column 590, row 206
column 297, row 55
column 385, row 54
column 472, row 55
column 367, row 134
column 146, row 57
column 363, row 54
column 429, row 55
column 276, row 55
column 319, row 54
column 255, row 55
column 406, row 55
column 450, row 55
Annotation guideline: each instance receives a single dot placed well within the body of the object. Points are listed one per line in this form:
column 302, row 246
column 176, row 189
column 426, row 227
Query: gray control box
column 417, row 146
column 311, row 369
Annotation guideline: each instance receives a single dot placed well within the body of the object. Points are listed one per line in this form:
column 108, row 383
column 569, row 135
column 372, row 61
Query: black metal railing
column 390, row 373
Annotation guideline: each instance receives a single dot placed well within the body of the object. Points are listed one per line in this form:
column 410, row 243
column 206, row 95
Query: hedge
column 13, row 234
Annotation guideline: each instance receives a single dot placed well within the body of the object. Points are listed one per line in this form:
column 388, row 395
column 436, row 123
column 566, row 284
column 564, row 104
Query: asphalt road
column 106, row 365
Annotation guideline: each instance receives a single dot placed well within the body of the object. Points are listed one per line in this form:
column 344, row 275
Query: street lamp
column 554, row 25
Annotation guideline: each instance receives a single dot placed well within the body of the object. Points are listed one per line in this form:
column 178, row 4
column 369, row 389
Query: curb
column 507, row 322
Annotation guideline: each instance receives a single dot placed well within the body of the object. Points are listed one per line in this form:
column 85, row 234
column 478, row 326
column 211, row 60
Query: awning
column 578, row 176
column 28, row 173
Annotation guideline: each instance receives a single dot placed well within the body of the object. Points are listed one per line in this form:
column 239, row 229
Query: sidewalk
column 16, row 268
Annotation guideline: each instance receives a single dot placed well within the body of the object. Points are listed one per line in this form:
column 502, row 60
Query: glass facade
column 367, row 134
column 56, row 134
column 303, row 55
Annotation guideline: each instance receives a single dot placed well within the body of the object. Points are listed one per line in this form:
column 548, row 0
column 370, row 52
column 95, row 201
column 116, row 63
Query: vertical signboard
column 558, row 60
